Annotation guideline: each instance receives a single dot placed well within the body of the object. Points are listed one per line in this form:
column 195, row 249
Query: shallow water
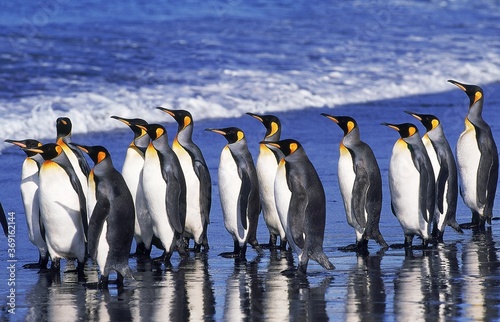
column 458, row 280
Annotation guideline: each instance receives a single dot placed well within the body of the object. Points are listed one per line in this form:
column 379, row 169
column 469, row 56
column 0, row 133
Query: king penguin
column 75, row 156
column 198, row 181
column 412, row 184
column 165, row 192
column 477, row 159
column 301, row 203
column 445, row 173
column 62, row 207
column 267, row 164
column 111, row 226
column 238, row 191
column 360, row 184
column 29, row 194
column 132, row 174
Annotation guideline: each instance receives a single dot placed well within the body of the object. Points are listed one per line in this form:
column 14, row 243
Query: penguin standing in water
column 75, row 156
column 111, row 226
column 63, row 212
column 412, row 184
column 445, row 173
column 238, row 191
column 165, row 192
column 198, row 181
column 267, row 164
column 360, row 184
column 132, row 174
column 477, row 158
column 301, row 203
column 29, row 193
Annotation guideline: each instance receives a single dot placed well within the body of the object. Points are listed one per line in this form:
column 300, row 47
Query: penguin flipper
column 97, row 220
column 3, row 221
column 77, row 186
column 245, row 190
column 203, row 174
column 487, row 172
column 359, row 196
column 82, row 162
column 42, row 227
column 296, row 211
column 176, row 207
column 440, row 185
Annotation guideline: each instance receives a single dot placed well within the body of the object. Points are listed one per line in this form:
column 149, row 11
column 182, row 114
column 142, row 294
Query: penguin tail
column 323, row 260
column 456, row 227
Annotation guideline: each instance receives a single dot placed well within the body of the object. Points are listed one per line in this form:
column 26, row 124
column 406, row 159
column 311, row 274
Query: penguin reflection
column 244, row 293
column 366, row 295
column 308, row 303
column 480, row 270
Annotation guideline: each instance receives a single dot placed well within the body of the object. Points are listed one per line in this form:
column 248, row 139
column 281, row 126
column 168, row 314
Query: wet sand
column 457, row 280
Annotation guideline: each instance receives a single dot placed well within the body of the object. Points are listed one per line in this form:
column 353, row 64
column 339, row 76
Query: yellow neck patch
column 350, row 126
column 434, row 123
column 274, row 128
column 101, row 156
column 412, row 130
column 159, row 132
column 187, row 121
column 477, row 96
column 240, row 135
column 293, row 147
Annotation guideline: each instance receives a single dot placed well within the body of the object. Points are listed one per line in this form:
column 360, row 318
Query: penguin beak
column 121, row 119
column 392, row 126
column 166, row 110
column 34, row 150
column 459, row 85
column 415, row 115
column 81, row 147
column 18, row 143
column 216, row 131
column 271, row 144
column 258, row 117
column 330, row 117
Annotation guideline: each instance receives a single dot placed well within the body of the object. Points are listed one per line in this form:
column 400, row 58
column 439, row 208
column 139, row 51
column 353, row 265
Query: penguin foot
column 229, row 255
column 349, row 248
column 292, row 272
column 470, row 225
column 398, row 246
column 33, row 266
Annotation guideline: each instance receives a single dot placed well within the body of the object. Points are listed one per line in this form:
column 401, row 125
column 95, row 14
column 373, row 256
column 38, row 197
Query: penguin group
column 162, row 196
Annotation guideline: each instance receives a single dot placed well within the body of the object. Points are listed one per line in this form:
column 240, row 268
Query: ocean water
column 89, row 60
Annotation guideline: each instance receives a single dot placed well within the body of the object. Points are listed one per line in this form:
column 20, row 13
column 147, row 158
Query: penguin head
column 232, row 134
column 182, row 117
column 272, row 124
column 155, row 131
column 287, row 146
column 474, row 92
column 406, row 130
column 63, row 127
column 97, row 153
column 346, row 123
column 428, row 120
column 133, row 124
column 26, row 144
column 48, row 151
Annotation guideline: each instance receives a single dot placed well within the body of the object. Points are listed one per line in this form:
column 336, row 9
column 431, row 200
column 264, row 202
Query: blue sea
column 90, row 59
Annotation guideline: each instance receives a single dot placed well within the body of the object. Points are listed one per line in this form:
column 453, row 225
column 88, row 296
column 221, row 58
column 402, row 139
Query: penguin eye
column 293, row 147
column 412, row 130
column 435, row 123
column 240, row 135
column 187, row 121
column 477, row 96
column 101, row 156
column 274, row 128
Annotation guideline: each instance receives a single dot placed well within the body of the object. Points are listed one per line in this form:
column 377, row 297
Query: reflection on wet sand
column 480, row 271
column 445, row 282
column 366, row 296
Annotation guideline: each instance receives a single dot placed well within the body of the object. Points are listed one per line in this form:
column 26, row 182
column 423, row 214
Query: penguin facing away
column 62, row 207
column 477, row 160
column 198, row 180
column 165, row 192
column 267, row 164
column 238, row 191
column 301, row 203
column 77, row 159
column 29, row 193
column 411, row 184
column 445, row 173
column 360, row 184
column 132, row 172
column 111, row 226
